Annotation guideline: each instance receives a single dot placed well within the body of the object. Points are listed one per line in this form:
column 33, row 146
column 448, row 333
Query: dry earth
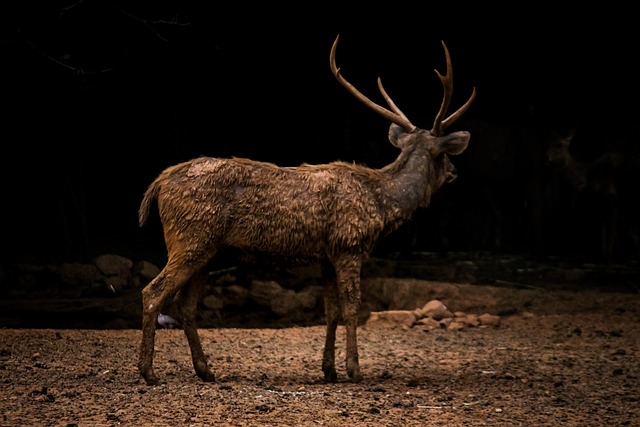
column 558, row 357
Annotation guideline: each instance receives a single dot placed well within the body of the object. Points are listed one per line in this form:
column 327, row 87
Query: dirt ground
column 558, row 357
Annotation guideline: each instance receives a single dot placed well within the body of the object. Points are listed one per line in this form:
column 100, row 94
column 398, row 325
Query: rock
column 78, row 274
column 145, row 270
column 468, row 319
column 455, row 326
column 428, row 323
column 445, row 322
column 487, row 319
column 213, row 302
column 287, row 303
column 310, row 297
column 235, row 295
column 436, row 310
column 113, row 265
column 392, row 317
column 263, row 292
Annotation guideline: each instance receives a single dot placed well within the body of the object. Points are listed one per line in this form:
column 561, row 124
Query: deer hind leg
column 348, row 282
column 187, row 301
column 154, row 296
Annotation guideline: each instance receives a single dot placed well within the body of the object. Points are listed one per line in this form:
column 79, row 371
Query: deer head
column 403, row 134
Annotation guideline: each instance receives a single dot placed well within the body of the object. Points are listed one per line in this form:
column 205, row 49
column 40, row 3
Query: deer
column 333, row 212
column 608, row 185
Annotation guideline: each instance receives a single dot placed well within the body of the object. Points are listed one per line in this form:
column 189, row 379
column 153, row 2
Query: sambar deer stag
column 332, row 212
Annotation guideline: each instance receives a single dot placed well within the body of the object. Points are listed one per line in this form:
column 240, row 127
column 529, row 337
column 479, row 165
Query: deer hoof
column 207, row 376
column 354, row 375
column 356, row 378
column 330, row 376
column 153, row 380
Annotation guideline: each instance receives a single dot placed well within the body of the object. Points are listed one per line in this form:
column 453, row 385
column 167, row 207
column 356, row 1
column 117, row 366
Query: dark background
column 100, row 96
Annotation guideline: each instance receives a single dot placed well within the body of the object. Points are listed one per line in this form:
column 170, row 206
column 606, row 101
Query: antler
column 396, row 116
column 439, row 125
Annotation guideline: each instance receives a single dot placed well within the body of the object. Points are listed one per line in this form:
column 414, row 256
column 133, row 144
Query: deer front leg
column 187, row 300
column 332, row 314
column 348, row 281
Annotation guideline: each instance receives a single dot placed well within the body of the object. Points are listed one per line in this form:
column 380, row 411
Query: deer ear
column 454, row 143
column 395, row 135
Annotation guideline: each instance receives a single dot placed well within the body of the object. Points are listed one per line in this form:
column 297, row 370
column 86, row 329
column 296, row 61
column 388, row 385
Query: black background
column 100, row 96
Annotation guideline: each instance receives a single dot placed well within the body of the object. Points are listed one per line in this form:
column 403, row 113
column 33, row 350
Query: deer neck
column 410, row 180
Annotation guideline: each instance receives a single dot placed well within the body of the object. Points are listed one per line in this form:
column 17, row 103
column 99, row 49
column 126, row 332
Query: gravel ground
column 575, row 364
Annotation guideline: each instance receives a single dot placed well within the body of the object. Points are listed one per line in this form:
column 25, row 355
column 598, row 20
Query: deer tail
column 149, row 196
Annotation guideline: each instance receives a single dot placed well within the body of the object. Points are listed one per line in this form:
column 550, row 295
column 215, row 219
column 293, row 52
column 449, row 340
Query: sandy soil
column 574, row 364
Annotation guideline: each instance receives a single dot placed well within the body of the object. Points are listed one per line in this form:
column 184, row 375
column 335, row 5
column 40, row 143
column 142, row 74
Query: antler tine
column 447, row 83
column 396, row 116
column 453, row 117
column 392, row 104
column 440, row 124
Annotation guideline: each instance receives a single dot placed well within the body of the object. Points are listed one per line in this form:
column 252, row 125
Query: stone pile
column 433, row 315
